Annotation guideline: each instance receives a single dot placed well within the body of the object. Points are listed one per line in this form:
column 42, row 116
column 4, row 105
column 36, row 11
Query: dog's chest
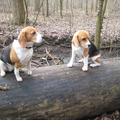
column 79, row 50
column 23, row 54
column 26, row 56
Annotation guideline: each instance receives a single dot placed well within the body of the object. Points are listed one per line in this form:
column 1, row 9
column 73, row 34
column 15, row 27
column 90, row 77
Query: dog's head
column 81, row 38
column 29, row 34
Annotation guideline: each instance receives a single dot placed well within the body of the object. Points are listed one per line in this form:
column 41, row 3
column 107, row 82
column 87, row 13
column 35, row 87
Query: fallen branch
column 106, row 47
column 2, row 45
column 36, row 62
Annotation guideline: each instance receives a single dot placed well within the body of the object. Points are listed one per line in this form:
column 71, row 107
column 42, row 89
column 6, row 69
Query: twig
column 50, row 55
column 38, row 12
column 45, row 58
column 38, row 63
column 46, row 42
column 2, row 45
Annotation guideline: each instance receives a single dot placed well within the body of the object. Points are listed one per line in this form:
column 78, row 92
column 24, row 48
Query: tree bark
column 58, row 92
column 37, row 4
column 99, row 22
column 47, row 8
column 86, row 7
column 92, row 7
column 96, row 5
column 61, row 7
column 18, row 12
column 104, row 8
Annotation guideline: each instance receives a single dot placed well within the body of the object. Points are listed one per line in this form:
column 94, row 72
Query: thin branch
column 38, row 12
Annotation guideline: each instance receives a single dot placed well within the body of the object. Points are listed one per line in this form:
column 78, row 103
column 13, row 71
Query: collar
column 29, row 47
column 26, row 47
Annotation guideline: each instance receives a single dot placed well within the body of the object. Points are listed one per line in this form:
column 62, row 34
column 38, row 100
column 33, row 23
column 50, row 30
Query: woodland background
column 58, row 20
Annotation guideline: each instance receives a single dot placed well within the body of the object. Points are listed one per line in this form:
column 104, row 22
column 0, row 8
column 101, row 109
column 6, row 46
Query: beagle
column 84, row 48
column 19, row 52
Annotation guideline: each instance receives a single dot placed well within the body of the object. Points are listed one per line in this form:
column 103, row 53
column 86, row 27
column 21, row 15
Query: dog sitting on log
column 19, row 52
column 85, row 49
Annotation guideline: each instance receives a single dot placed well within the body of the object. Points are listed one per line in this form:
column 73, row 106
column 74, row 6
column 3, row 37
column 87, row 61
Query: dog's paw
column 69, row 65
column 30, row 72
column 19, row 79
column 85, row 68
column 94, row 65
column 3, row 73
column 81, row 60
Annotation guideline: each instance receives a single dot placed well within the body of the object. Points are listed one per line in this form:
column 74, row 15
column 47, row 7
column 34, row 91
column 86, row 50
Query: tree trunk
column 61, row 6
column 38, row 11
column 104, row 8
column 99, row 22
column 37, row 4
column 86, row 7
column 47, row 8
column 18, row 12
column 96, row 5
column 58, row 92
column 92, row 7
column 71, row 8
column 81, row 4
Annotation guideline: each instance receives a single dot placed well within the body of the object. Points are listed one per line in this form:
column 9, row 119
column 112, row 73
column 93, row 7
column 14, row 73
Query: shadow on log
column 61, row 93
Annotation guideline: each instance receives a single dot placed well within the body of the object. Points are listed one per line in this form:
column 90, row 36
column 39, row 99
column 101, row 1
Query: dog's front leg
column 16, row 72
column 85, row 67
column 29, row 68
column 72, row 58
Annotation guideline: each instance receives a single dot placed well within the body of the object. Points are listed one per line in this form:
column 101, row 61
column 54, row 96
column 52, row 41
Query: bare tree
column 91, row 7
column 37, row 4
column 47, row 8
column 96, row 5
column 104, row 7
column 61, row 7
column 86, row 7
column 18, row 11
column 99, row 22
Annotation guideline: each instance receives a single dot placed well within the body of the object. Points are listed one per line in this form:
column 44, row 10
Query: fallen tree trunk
column 61, row 93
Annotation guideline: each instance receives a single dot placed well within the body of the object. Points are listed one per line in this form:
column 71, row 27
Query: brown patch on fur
column 28, row 34
column 75, row 41
column 86, row 51
column 97, row 60
column 17, row 65
column 22, row 39
column 80, row 38
column 14, row 58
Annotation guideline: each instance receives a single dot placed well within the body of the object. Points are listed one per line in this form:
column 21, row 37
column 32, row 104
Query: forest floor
column 58, row 35
column 59, row 32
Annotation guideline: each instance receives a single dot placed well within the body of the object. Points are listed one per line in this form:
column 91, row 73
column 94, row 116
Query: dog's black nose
column 89, row 45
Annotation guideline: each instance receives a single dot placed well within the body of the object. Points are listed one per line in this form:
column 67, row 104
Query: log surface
column 61, row 93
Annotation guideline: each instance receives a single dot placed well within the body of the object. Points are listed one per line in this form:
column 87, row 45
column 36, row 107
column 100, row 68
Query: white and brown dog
column 85, row 49
column 19, row 52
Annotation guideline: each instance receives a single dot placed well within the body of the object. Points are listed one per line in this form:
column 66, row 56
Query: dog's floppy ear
column 22, row 39
column 75, row 41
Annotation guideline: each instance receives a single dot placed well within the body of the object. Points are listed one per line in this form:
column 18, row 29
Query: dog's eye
column 83, row 39
column 34, row 33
